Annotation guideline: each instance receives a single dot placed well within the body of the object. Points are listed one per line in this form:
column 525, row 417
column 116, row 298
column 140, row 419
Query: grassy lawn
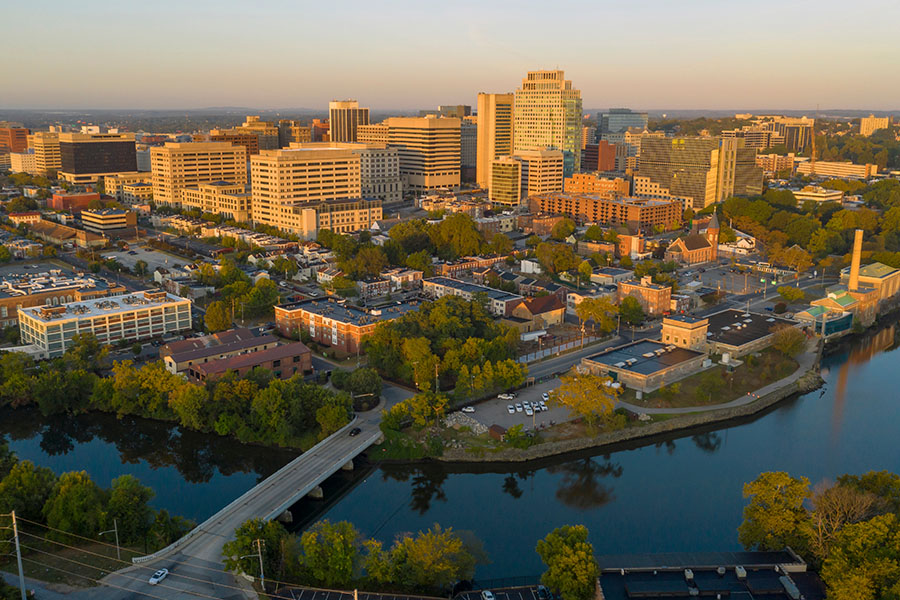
column 756, row 372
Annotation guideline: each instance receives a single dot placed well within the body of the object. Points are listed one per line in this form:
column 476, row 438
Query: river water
column 677, row 494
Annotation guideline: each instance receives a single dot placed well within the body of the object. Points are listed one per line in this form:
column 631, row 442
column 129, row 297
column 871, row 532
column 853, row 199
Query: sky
column 398, row 54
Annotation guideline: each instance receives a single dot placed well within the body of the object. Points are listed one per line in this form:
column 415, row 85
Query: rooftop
column 26, row 284
column 736, row 327
column 644, row 357
column 473, row 288
column 102, row 306
column 347, row 313
column 875, row 270
column 686, row 319
column 253, row 358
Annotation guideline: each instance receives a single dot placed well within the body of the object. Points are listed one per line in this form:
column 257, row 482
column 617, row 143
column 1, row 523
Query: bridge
column 195, row 560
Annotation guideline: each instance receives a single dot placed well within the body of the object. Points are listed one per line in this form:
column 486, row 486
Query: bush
column 780, row 308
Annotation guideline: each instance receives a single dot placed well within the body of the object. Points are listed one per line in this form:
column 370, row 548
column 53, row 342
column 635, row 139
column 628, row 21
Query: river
column 682, row 493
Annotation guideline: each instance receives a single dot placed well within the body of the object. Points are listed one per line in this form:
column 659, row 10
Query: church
column 696, row 247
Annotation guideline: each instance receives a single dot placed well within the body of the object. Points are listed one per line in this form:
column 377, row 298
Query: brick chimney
column 854, row 263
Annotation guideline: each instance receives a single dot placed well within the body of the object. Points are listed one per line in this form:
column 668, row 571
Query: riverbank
column 805, row 379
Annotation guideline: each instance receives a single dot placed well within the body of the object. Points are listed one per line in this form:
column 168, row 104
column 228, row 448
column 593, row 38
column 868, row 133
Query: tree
column 569, row 557
column 365, row 381
column 129, row 505
column 140, row 268
column 711, row 384
column 432, row 560
column 791, row 294
column 789, row 340
column 594, row 233
column 833, row 508
column 76, row 505
column 864, row 563
column 562, row 229
column 421, row 261
column 5, row 254
column 600, row 311
column 631, row 311
column 330, row 553
column 500, row 244
column 21, row 204
column 556, row 258
column 775, row 516
column 591, row 397
column 883, row 484
column 369, row 262
column 218, row 317
column 332, row 416
column 248, row 538
column 26, row 489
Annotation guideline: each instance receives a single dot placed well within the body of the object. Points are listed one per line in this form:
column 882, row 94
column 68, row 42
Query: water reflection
column 708, row 442
column 197, row 457
column 580, row 486
column 426, row 482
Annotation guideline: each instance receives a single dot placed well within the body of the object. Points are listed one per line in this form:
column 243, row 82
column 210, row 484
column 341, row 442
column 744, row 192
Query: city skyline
column 701, row 55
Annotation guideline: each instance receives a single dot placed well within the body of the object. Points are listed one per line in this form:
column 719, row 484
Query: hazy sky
column 410, row 54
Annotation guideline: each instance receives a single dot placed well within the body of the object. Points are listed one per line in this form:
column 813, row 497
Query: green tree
column 76, row 505
column 594, row 233
column 591, row 397
column 788, row 340
column 562, row 229
column 26, row 489
column 218, row 317
column 775, row 516
column 569, row 557
column 432, row 560
column 421, row 261
column 365, row 381
column 129, row 505
column 600, row 311
column 500, row 244
column 271, row 536
column 140, row 268
column 331, row 553
column 864, row 563
column 883, row 484
column 631, row 311
column 791, row 294
column 332, row 416
column 5, row 254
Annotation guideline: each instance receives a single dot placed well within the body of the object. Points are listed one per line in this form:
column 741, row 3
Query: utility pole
column 18, row 555
column 115, row 530
column 262, row 575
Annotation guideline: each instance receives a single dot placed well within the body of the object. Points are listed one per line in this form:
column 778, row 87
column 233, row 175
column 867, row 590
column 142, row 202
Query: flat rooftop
column 644, row 357
column 102, row 306
column 734, row 327
column 759, row 584
column 473, row 288
column 685, row 319
column 17, row 285
column 347, row 313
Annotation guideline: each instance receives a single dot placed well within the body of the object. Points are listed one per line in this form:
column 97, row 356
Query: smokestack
column 854, row 263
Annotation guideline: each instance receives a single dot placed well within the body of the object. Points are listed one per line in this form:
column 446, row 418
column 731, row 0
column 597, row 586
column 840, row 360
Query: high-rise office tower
column 85, row 156
column 506, row 181
column 429, row 149
column 468, row 148
column 46, row 152
column 177, row 166
column 707, row 170
column 344, row 116
column 618, row 120
column 548, row 114
column 13, row 139
column 292, row 132
column 797, row 132
column 379, row 168
column 495, row 133
column 542, row 171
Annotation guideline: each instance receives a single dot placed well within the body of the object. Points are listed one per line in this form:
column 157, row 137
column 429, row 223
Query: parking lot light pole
column 262, row 576
column 114, row 530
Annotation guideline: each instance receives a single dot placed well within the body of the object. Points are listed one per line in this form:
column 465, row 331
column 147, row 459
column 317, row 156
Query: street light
column 262, row 577
column 114, row 530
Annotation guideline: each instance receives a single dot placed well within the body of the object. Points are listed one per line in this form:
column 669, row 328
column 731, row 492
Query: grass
column 770, row 366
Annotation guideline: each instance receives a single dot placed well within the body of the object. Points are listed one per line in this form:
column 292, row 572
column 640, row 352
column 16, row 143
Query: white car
column 545, row 396
column 487, row 595
column 529, row 412
column 468, row 409
column 518, row 407
column 158, row 576
column 544, row 406
column 505, row 396
column 511, row 409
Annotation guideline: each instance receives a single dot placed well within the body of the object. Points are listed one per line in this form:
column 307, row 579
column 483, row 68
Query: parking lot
column 305, row 594
column 153, row 258
column 517, row 593
column 495, row 412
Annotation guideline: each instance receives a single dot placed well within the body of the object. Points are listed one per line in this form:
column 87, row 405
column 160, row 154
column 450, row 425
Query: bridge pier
column 286, row 517
column 316, row 493
column 348, row 466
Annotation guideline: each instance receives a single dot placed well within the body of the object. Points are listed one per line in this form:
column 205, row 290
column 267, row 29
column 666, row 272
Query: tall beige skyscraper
column 548, row 114
column 495, row 133
column 871, row 124
column 176, row 166
column 344, row 116
column 47, row 158
column 429, row 150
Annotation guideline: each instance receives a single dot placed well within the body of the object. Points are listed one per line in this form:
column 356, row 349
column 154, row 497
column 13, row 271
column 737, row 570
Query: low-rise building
column 138, row 192
column 655, row 299
column 181, row 355
column 737, row 333
column 540, row 313
column 638, row 214
column 52, row 288
column 685, row 331
column 282, row 361
column 610, row 275
column 878, row 276
column 73, row 202
column 645, row 365
column 110, row 222
column 334, row 323
column 132, row 317
column 818, row 194
column 373, row 287
column 63, row 235
column 26, row 218
column 849, row 170
column 500, row 303
column 402, row 278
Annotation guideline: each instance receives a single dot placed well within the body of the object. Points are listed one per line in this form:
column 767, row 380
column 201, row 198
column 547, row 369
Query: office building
column 292, row 132
column 266, row 132
column 23, row 162
column 137, row 193
column 178, row 356
column 643, row 187
column 51, row 288
column 506, row 181
column 542, row 171
column 283, row 362
column 594, row 184
column 468, row 149
column 247, row 140
column 459, row 111
column 654, row 299
column 867, row 125
column 340, row 216
column 494, row 137
column 179, row 165
column 231, row 200
column 344, row 116
column 85, row 157
column 336, row 324
column 114, row 185
column 638, row 214
column 547, row 114
column 429, row 151
column 842, row 170
column 111, row 222
column 755, row 136
column 73, row 202
column 319, row 130
column 133, row 317
column 706, row 170
column 588, row 136
column 772, row 164
column 379, row 172
column 598, row 157
column 13, row 139
column 376, row 133
column 619, row 120
column 797, row 132
column 46, row 152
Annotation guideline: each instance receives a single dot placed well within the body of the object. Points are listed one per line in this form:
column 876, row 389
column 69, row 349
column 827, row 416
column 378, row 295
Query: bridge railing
column 201, row 527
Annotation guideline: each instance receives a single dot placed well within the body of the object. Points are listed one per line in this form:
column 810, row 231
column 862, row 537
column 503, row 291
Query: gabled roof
column 543, row 304
column 695, row 241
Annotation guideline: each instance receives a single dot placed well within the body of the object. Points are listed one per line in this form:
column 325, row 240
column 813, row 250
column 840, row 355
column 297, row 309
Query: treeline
column 236, row 293
column 442, row 342
column 337, row 555
column 850, row 529
column 254, row 409
column 74, row 504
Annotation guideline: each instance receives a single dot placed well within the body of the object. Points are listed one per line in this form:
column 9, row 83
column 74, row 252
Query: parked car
column 543, row 593
column 545, row 396
column 487, row 595
column 529, row 412
column 511, row 409
column 518, row 407
column 468, row 409
column 526, row 404
column 355, row 431
column 505, row 396
column 158, row 576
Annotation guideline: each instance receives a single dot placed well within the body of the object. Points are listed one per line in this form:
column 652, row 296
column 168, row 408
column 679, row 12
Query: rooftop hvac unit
column 770, row 320
column 740, row 572
column 726, row 328
column 648, row 354
column 619, row 364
